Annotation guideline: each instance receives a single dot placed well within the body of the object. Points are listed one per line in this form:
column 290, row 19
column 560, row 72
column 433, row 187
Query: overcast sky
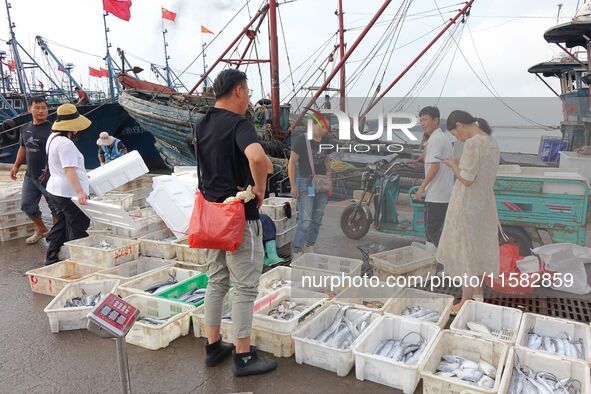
column 506, row 33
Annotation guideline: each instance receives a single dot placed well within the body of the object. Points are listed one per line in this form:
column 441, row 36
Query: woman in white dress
column 469, row 244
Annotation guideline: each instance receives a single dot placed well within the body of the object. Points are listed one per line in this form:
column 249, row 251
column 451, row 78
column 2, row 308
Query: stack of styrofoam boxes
column 116, row 173
column 274, row 208
column 14, row 223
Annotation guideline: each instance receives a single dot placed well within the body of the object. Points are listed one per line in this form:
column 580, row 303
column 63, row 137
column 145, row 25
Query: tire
column 519, row 237
column 358, row 229
column 10, row 130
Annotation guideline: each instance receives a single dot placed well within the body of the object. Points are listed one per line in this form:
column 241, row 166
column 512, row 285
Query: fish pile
column 484, row 329
column 564, row 346
column 162, row 285
column 373, row 304
column 525, row 380
column 103, row 245
column 286, row 310
column 344, row 330
column 193, row 296
column 278, row 284
column 396, row 349
column 480, row 373
column 421, row 313
column 84, row 300
column 154, row 321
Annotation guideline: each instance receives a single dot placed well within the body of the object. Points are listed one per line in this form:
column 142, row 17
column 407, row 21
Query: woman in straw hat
column 68, row 179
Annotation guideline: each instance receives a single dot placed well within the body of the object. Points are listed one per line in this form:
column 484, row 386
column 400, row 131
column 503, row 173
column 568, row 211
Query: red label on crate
column 33, row 279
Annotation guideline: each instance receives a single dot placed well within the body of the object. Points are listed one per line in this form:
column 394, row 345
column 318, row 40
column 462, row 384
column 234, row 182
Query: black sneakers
column 217, row 352
column 246, row 364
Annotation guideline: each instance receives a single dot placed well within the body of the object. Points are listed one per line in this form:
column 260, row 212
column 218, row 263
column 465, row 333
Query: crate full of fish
column 158, row 244
column 392, row 352
column 283, row 310
column 529, row 372
column 14, row 218
column 16, row 232
column 274, row 279
column 146, row 221
column 10, row 205
column 156, row 282
column 10, row 190
column 461, row 363
column 278, row 208
column 375, row 299
column 563, row 338
column 326, row 340
column 123, row 200
column 190, row 292
column 189, row 256
column 134, row 269
column 70, row 307
column 422, row 305
column 159, row 323
column 488, row 321
column 51, row 279
column 405, row 261
column 285, row 237
column 104, row 250
column 313, row 264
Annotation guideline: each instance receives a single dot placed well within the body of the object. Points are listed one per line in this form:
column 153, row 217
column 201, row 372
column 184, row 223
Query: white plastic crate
column 173, row 201
column 552, row 326
column 273, row 207
column 364, row 298
column 280, row 273
column 134, row 269
column 405, row 261
column 140, row 284
column 51, row 279
column 15, row 218
column 284, row 224
column 539, row 362
column 469, row 347
column 383, row 370
column 123, row 200
column 311, row 264
column 10, row 190
column 146, row 221
column 576, row 161
column 277, row 343
column 495, row 317
column 153, row 244
column 285, row 237
column 192, row 257
column 16, row 232
column 311, row 352
column 121, row 250
column 64, row 319
column 413, row 297
column 154, row 337
column 265, row 304
column 10, row 205
column 116, row 173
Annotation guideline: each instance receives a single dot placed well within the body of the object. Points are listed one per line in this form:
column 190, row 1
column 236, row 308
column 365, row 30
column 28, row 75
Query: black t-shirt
column 33, row 138
column 222, row 138
column 319, row 158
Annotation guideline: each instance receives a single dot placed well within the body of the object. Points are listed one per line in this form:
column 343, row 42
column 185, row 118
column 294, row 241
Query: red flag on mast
column 206, row 30
column 119, row 8
column 93, row 72
column 171, row 16
column 104, row 73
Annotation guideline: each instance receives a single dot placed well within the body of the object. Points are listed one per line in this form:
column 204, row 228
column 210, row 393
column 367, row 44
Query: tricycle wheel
column 518, row 237
column 355, row 222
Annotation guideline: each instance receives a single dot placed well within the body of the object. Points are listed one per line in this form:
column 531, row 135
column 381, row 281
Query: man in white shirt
column 439, row 178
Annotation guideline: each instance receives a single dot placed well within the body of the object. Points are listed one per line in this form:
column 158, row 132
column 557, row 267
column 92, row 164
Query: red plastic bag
column 507, row 283
column 216, row 225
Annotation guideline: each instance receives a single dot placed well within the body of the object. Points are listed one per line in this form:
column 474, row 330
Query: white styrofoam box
column 16, row 232
column 554, row 327
column 284, row 224
column 318, row 264
column 408, row 297
column 10, row 205
column 143, row 282
column 183, row 169
column 273, row 207
column 154, row 244
column 122, row 199
column 265, row 304
column 10, row 190
column 495, row 317
column 116, row 173
column 75, row 318
column 107, row 214
column 466, row 346
column 366, row 297
column 134, row 269
column 312, row 352
column 576, row 161
column 405, row 261
column 173, row 202
column 51, row 279
column 190, row 256
column 542, row 362
column 14, row 218
column 384, row 370
column 146, row 221
column 285, row 237
column 154, row 337
column 121, row 250
column 281, row 273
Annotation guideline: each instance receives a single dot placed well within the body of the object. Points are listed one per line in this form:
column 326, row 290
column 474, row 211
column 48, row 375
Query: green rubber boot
column 271, row 256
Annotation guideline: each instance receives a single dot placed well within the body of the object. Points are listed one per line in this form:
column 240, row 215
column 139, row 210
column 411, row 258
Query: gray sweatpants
column 241, row 269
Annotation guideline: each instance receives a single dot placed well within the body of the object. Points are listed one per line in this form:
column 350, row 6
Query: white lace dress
column 469, row 242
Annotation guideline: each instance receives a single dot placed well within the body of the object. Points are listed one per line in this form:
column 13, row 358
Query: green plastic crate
column 196, row 282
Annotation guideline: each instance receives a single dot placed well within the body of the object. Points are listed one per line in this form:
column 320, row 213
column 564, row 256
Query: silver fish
column 342, row 331
column 103, row 245
column 286, row 310
column 481, row 373
column 160, row 286
column 83, row 300
column 524, row 380
column 564, row 346
column 155, row 321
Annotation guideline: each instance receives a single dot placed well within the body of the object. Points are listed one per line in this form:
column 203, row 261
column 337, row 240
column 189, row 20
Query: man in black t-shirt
column 230, row 158
column 32, row 149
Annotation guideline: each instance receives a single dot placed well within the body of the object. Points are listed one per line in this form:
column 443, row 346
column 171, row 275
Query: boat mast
column 108, row 59
column 274, row 55
column 166, row 57
column 19, row 65
column 343, row 79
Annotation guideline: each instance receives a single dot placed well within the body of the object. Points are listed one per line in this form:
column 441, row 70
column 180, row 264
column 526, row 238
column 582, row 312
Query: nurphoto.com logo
column 380, row 138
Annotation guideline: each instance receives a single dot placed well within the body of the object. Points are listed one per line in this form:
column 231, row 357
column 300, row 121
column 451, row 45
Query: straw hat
column 105, row 139
column 68, row 119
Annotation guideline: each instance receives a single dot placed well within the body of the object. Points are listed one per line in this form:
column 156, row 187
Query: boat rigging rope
column 256, row 52
column 286, row 50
